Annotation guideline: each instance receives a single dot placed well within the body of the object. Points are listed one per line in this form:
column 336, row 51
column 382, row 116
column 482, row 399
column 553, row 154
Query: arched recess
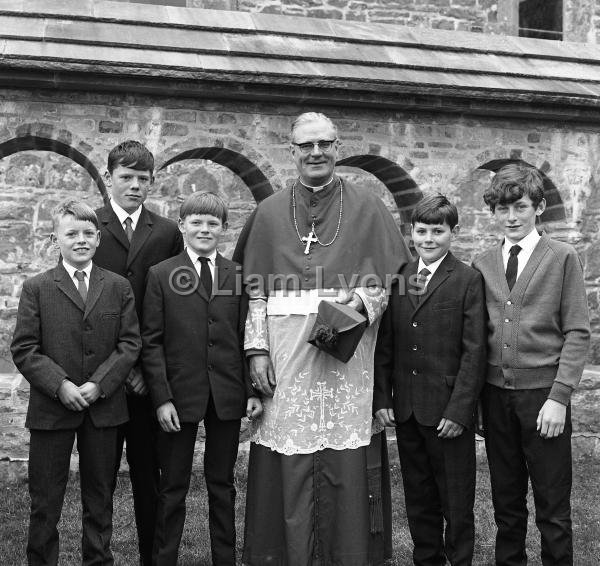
column 405, row 191
column 555, row 209
column 248, row 172
column 28, row 142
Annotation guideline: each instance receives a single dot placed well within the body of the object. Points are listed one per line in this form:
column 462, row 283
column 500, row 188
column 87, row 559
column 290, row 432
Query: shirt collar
column 194, row 256
column 527, row 244
column 432, row 267
column 71, row 270
column 122, row 214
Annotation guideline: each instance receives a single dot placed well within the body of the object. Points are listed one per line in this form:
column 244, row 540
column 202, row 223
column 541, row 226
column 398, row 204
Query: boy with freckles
column 75, row 341
column 429, row 369
column 538, row 337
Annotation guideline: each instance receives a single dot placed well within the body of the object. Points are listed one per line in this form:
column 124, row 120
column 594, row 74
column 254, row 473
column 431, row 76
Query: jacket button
column 415, row 372
column 209, row 367
column 210, row 344
column 415, row 324
column 130, row 274
column 414, row 347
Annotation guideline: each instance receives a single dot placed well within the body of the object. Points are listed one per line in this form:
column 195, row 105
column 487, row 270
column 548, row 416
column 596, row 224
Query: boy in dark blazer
column 194, row 315
column 429, row 370
column 132, row 240
column 75, row 341
column 538, row 338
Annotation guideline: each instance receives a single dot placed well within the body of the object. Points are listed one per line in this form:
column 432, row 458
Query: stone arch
column 246, row 170
column 401, row 185
column 555, row 209
column 27, row 142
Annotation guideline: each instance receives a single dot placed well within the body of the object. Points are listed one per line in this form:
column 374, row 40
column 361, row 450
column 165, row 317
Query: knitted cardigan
column 538, row 333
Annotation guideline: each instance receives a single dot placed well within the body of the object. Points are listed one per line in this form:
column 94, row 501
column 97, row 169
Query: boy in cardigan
column 537, row 344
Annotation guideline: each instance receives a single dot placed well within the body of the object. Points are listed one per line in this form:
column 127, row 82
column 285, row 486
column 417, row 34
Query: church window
column 542, row 19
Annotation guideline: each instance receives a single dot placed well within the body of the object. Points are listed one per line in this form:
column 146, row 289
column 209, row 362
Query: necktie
column 128, row 228
column 512, row 266
column 80, row 276
column 421, row 281
column 205, row 275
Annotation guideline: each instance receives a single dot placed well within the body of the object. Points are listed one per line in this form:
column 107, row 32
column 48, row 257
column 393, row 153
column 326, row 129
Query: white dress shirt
column 527, row 244
column 71, row 271
column 122, row 215
column 432, row 267
column 211, row 262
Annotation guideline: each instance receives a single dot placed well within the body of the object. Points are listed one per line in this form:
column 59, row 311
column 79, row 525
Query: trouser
column 49, row 459
column 140, row 436
column 176, row 454
column 516, row 452
column 439, row 483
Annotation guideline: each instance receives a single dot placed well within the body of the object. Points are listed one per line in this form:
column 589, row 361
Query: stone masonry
column 438, row 146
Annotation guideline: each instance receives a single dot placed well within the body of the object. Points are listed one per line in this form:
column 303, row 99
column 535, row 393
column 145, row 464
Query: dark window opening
column 541, row 19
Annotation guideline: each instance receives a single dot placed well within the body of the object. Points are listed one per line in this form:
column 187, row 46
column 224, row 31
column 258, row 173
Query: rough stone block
column 110, row 126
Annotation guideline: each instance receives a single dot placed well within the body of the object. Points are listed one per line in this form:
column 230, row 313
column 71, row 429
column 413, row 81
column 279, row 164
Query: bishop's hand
column 262, row 374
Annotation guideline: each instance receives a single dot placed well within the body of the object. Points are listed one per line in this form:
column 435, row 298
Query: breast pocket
column 445, row 305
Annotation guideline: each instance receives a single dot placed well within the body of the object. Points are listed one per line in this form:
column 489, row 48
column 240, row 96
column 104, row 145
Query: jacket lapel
column 411, row 274
column 441, row 274
column 142, row 231
column 64, row 283
column 108, row 219
column 223, row 273
column 196, row 283
column 94, row 290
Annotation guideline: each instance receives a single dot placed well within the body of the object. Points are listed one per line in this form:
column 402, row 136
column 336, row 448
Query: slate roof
column 196, row 52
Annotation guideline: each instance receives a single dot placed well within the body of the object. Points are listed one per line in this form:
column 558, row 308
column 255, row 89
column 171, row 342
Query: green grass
column 195, row 547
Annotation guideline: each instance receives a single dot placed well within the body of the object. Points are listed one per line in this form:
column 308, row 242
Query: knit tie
column 512, row 266
column 80, row 276
column 205, row 275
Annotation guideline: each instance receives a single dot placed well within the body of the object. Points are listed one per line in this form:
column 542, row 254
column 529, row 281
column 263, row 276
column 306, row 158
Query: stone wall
column 440, row 152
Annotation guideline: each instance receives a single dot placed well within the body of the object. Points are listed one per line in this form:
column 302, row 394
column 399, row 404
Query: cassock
column 318, row 484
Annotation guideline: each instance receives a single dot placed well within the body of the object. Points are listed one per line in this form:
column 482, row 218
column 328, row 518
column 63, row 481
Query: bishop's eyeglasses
column 323, row 145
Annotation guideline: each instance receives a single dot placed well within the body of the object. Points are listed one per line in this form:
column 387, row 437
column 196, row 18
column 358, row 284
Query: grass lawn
column 195, row 548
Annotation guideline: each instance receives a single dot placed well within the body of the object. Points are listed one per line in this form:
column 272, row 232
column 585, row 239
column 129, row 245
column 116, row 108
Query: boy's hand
column 168, row 418
column 90, row 391
column 449, row 429
column 135, row 382
column 551, row 419
column 385, row 417
column 70, row 396
column 262, row 374
column 253, row 408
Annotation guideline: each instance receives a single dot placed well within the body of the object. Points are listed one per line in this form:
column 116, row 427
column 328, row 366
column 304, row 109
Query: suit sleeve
column 111, row 373
column 243, row 315
column 39, row 370
column 153, row 353
column 384, row 360
column 471, row 373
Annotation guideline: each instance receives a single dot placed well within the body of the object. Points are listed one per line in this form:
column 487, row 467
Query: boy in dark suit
column 538, row 337
column 132, row 239
column 193, row 358
column 429, row 369
column 75, row 341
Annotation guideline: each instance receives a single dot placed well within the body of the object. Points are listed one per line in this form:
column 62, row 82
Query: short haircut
column 307, row 117
column 203, row 202
column 512, row 182
column 79, row 210
column 435, row 209
column 132, row 154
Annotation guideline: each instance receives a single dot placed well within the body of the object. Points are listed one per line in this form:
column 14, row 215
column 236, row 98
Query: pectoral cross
column 310, row 239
